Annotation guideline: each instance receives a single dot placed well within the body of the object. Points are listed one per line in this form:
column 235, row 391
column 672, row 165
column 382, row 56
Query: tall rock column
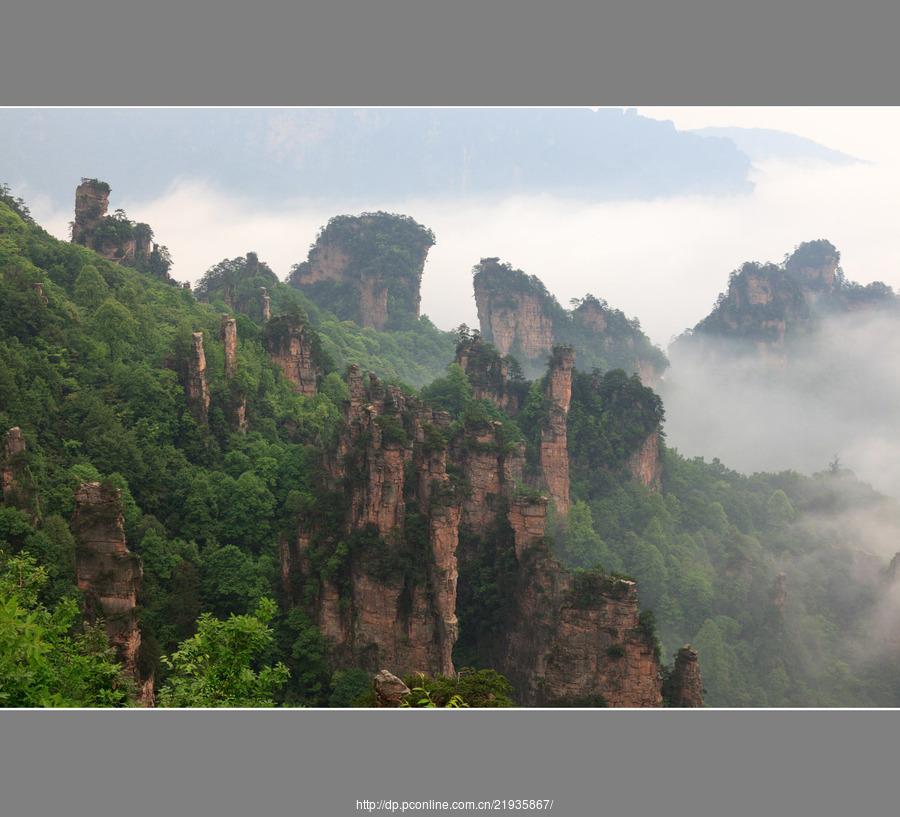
column 685, row 687
column 107, row 573
column 291, row 346
column 237, row 400
column 554, row 437
column 440, row 502
column 229, row 341
column 395, row 605
column 91, row 205
column 573, row 639
column 196, row 386
column 11, row 466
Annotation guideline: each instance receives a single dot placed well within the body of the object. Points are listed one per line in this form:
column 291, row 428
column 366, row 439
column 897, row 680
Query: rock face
column 427, row 510
column 393, row 601
column 367, row 268
column 195, row 383
column 12, row 467
column 229, row 342
column 685, row 687
column 492, row 472
column 522, row 319
column 293, row 348
column 516, row 320
column 91, row 205
column 490, row 374
column 389, row 689
column 554, row 437
column 237, row 400
column 107, row 573
column 113, row 237
column 644, row 464
column 571, row 639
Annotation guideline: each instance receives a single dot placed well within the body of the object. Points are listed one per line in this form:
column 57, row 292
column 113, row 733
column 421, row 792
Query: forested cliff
column 221, row 497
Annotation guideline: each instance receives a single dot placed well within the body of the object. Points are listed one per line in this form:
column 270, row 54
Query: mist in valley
column 837, row 397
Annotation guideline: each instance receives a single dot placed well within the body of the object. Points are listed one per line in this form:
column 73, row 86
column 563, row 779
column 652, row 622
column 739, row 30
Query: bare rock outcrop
column 237, row 399
column 644, row 464
column 229, row 342
column 91, row 205
column 107, row 572
column 389, row 690
column 293, row 347
column 685, row 686
column 522, row 319
column 394, row 600
column 573, row 639
column 489, row 373
column 516, row 322
column 768, row 309
column 367, row 268
column 114, row 237
column 554, row 451
column 195, row 382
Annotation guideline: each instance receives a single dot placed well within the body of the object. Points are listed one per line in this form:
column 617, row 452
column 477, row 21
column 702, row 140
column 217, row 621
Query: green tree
column 583, row 545
column 44, row 660
column 115, row 326
column 90, row 288
column 452, row 393
column 219, row 666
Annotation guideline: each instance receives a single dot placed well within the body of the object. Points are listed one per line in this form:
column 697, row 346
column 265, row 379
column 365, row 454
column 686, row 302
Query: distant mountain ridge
column 760, row 144
column 376, row 154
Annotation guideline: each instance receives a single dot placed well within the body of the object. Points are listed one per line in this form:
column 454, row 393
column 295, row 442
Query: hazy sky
column 664, row 261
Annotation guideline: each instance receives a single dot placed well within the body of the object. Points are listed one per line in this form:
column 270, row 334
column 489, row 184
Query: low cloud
column 838, row 396
column 663, row 261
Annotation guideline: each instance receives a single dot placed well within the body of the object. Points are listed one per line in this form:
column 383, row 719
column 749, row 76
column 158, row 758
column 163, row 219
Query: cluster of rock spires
column 767, row 306
column 291, row 344
column 435, row 504
column 429, row 501
column 492, row 380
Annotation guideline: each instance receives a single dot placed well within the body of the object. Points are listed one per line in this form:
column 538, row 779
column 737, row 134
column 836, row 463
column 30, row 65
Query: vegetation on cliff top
column 764, row 299
column 619, row 344
column 386, row 250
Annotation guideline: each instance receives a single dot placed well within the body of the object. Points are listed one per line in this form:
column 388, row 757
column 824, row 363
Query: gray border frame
column 402, row 52
column 466, row 52
column 700, row 763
